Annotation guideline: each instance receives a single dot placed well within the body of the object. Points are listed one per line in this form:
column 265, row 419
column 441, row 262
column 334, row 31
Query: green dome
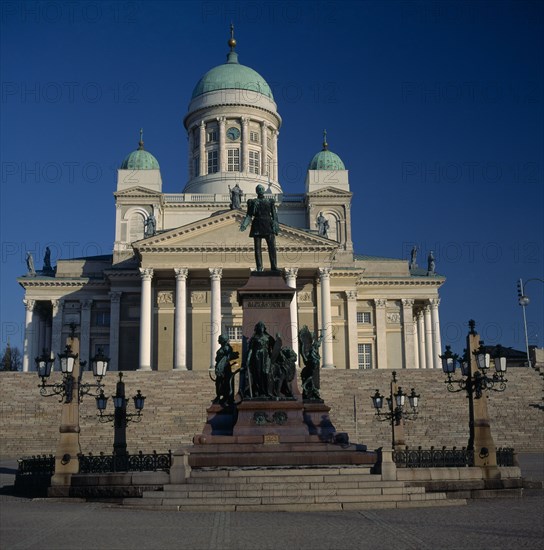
column 231, row 75
column 326, row 160
column 140, row 159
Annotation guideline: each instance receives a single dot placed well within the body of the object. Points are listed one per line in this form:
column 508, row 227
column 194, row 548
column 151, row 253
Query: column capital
column 221, row 120
column 202, row 124
column 57, row 305
column 351, row 295
column 181, row 273
column 324, row 272
column 115, row 296
column 86, row 304
column 146, row 273
column 435, row 302
column 264, row 124
column 244, row 120
column 29, row 304
column 290, row 272
column 426, row 308
column 215, row 273
column 408, row 302
column 380, row 303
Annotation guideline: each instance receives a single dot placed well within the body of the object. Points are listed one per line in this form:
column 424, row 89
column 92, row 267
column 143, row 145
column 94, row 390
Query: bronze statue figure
column 224, row 377
column 264, row 226
column 431, row 264
column 309, row 350
column 269, row 368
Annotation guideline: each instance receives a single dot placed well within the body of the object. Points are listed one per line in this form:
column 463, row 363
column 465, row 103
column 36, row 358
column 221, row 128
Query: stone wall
column 175, row 410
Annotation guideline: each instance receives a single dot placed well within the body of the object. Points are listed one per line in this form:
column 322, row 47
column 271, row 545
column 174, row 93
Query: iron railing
column 433, row 458
column 95, row 464
column 43, row 465
column 505, row 456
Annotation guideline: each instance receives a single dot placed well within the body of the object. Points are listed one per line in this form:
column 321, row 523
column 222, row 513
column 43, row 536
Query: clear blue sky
column 436, row 109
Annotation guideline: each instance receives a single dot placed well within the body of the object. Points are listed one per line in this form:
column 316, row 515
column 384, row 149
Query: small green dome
column 140, row 159
column 232, row 76
column 325, row 159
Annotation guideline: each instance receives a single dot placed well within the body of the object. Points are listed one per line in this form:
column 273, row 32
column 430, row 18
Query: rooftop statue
column 30, row 264
column 236, row 196
column 264, row 226
column 431, row 264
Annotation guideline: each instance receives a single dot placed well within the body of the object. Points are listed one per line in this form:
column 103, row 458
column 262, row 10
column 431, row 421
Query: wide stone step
column 289, row 507
column 285, row 491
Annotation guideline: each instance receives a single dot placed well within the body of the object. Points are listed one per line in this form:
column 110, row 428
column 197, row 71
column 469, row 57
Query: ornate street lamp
column 475, row 378
column 67, row 360
column 397, row 411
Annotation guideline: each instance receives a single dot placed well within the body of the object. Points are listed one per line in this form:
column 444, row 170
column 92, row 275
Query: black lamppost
column 120, row 417
column 475, row 379
column 397, row 411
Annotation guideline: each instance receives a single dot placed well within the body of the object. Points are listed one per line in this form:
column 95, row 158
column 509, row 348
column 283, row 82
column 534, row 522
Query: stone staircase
column 288, row 490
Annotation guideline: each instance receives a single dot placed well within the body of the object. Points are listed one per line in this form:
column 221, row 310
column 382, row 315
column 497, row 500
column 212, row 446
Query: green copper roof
column 140, row 159
column 325, row 159
column 232, row 76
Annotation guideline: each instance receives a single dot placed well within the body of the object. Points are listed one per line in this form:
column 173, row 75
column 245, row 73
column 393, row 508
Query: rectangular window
column 101, row 318
column 254, row 137
column 234, row 333
column 364, row 356
column 196, row 166
column 212, row 162
column 254, row 163
column 212, row 136
column 233, row 160
column 363, row 317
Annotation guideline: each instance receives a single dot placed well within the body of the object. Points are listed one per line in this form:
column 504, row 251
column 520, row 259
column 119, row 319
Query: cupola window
column 213, row 165
column 254, row 137
column 254, row 162
column 233, row 160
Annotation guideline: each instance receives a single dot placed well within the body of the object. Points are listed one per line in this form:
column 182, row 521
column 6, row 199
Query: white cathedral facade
column 168, row 291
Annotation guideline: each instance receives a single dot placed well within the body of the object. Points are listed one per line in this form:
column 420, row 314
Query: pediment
column 222, row 231
column 329, row 192
column 137, row 191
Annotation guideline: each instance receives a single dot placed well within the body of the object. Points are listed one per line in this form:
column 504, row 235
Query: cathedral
column 169, row 288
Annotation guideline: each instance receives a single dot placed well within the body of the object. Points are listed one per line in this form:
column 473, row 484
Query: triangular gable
column 223, row 229
column 137, row 191
column 329, row 192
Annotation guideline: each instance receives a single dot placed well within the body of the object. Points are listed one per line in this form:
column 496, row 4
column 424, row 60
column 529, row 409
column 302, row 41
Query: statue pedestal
column 266, row 297
column 271, row 431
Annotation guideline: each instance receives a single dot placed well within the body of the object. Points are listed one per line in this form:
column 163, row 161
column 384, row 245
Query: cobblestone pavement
column 44, row 525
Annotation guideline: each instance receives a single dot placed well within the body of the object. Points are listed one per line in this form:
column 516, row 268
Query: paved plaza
column 501, row 523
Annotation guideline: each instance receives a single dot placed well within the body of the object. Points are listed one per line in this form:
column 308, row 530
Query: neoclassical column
column 202, row 149
column 381, row 334
column 190, row 156
column 85, row 331
column 215, row 320
column 435, row 320
column 245, row 141
column 180, row 319
column 275, row 135
column 56, row 327
column 28, row 348
column 421, row 340
column 416, row 342
column 353, row 358
column 145, row 319
column 264, row 153
column 222, row 160
column 326, row 316
column 408, row 333
column 115, row 318
column 291, row 280
column 428, row 337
